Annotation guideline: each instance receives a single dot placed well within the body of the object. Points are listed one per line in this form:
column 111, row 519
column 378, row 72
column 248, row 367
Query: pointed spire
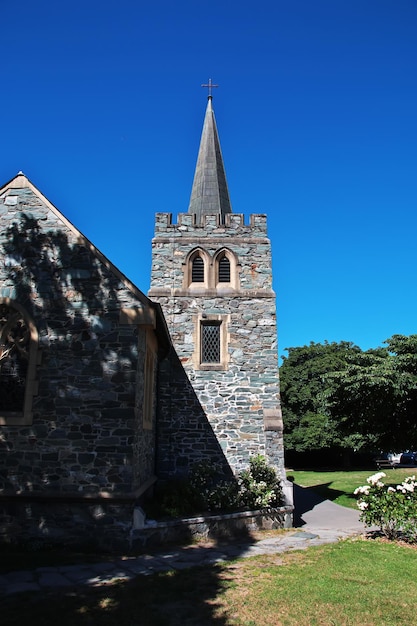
column 209, row 194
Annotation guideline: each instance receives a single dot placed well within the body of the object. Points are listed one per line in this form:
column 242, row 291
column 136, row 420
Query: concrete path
column 316, row 522
column 314, row 513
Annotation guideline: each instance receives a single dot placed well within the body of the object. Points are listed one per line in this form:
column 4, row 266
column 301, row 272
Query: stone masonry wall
column 234, row 400
column 185, row 435
column 86, row 437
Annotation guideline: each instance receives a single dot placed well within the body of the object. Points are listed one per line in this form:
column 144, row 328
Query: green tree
column 376, row 395
column 334, row 395
column 308, row 424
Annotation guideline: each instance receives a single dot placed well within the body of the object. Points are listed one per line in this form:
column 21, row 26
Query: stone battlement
column 234, row 224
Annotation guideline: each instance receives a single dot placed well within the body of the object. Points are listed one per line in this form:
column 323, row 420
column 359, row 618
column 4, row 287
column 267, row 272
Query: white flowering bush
column 259, row 485
column 392, row 509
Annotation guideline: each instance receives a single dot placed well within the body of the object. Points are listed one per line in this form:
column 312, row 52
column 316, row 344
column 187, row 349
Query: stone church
column 104, row 390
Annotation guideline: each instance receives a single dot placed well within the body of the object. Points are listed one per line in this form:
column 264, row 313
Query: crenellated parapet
column 233, row 225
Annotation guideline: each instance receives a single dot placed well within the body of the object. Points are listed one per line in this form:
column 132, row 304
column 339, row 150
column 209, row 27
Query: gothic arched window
column 196, row 267
column 18, row 353
column 197, row 270
column 224, row 269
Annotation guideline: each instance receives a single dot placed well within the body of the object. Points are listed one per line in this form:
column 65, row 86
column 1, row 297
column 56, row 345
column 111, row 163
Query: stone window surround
column 25, row 418
column 145, row 317
column 211, row 270
column 188, row 267
column 223, row 321
column 149, row 378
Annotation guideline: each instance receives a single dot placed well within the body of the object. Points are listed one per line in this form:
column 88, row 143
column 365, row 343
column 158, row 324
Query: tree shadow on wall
column 83, row 430
column 88, row 370
column 88, row 375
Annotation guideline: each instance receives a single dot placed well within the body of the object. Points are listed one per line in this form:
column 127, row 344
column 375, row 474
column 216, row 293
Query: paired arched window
column 18, row 356
column 203, row 270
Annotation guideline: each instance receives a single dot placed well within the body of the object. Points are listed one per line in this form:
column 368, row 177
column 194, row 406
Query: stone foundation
column 220, row 527
column 118, row 526
column 82, row 526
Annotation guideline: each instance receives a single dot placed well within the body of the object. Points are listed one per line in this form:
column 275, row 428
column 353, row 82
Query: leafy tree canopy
column 336, row 395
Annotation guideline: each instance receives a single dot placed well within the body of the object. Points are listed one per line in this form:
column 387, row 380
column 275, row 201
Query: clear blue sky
column 102, row 109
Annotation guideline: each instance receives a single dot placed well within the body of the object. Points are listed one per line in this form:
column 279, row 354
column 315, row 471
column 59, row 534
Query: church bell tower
column 212, row 275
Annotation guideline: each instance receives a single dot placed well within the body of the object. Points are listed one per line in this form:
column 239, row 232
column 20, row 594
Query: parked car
column 396, row 459
column 408, row 458
column 388, row 460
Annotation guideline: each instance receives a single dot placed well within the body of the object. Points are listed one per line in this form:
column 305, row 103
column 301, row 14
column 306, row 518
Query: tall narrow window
column 224, row 270
column 14, row 357
column 210, row 342
column 197, row 271
column 18, row 350
column 148, row 391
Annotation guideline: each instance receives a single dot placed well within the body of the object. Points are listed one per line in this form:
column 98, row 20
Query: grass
column 340, row 485
column 355, row 582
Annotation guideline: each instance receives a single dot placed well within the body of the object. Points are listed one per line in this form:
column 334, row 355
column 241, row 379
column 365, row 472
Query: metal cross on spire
column 209, row 86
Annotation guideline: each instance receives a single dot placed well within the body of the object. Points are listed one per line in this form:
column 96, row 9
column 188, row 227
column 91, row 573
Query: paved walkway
column 316, row 522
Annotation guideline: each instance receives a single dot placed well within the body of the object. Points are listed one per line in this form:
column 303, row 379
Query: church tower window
column 210, row 342
column 197, row 270
column 224, row 269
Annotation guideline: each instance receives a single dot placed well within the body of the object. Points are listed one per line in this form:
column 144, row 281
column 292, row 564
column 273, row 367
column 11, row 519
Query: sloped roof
column 151, row 311
column 209, row 194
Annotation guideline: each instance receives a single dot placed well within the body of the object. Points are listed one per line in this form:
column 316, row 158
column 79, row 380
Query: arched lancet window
column 18, row 353
column 224, row 269
column 197, row 270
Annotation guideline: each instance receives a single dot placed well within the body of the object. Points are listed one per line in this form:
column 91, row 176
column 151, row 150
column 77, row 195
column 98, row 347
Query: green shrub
column 207, row 489
column 392, row 509
column 173, row 499
column 213, row 491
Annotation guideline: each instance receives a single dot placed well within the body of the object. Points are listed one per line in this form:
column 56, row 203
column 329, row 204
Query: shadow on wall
column 85, row 438
column 185, row 436
column 84, row 428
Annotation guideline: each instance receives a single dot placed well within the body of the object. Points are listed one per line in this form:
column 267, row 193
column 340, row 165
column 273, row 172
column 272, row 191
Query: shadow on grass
column 182, row 596
column 326, row 492
column 306, row 498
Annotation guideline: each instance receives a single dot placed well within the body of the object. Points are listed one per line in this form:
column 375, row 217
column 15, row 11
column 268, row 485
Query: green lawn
column 340, row 485
column 356, row 582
